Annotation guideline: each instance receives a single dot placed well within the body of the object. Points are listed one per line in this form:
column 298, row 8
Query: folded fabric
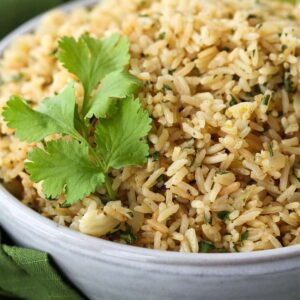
column 27, row 274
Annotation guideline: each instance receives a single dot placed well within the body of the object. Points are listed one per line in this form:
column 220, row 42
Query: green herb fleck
column 245, row 235
column 171, row 71
column 17, row 77
column 144, row 15
column 283, row 48
column 130, row 214
column 162, row 35
column 222, row 172
column 288, row 83
column 223, row 215
column 166, row 88
column 233, row 101
column 128, row 236
column 155, row 156
column 270, row 149
column 206, row 247
column 160, row 181
column 266, row 99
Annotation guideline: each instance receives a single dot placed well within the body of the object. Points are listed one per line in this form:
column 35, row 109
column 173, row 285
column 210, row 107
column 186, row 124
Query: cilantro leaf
column 118, row 84
column 91, row 59
column 121, row 139
column 55, row 115
column 65, row 166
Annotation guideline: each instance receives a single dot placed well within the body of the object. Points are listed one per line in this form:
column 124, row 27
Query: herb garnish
column 233, row 101
column 162, row 35
column 79, row 165
column 206, row 246
column 283, row 48
column 155, row 156
column 222, row 172
column 270, row 149
column 223, row 215
column 128, row 236
column 244, row 236
column 288, row 83
column 266, row 99
column 166, row 88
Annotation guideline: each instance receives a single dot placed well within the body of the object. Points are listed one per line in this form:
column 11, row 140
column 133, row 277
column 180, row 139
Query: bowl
column 111, row 271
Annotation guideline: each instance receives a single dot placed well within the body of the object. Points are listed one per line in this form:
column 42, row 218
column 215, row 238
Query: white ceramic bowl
column 110, row 271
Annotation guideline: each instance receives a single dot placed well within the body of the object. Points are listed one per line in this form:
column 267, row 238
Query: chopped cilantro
column 270, row 149
column 171, row 71
column 244, row 235
column 128, row 236
column 144, row 15
column 17, row 77
column 160, row 181
column 233, row 101
column 222, row 172
column 288, row 83
column 130, row 214
column 206, row 247
column 162, row 35
column 156, row 156
column 166, row 88
column 266, row 99
column 223, row 215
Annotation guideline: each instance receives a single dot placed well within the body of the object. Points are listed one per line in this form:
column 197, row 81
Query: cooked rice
column 205, row 86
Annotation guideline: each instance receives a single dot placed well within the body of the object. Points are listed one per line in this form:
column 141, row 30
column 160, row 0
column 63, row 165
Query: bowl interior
column 92, row 245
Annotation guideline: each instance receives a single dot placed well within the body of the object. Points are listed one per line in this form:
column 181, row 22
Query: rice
column 226, row 130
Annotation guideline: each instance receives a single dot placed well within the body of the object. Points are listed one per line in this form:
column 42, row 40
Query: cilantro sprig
column 107, row 132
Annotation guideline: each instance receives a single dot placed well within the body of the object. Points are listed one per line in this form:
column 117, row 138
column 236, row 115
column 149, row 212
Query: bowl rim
column 156, row 256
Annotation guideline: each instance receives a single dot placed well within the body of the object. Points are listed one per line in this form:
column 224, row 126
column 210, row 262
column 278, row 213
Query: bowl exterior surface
column 105, row 270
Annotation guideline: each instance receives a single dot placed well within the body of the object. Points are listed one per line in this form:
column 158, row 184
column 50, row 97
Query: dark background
column 15, row 12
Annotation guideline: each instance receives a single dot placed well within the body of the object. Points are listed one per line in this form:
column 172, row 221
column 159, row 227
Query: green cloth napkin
column 15, row 12
column 28, row 274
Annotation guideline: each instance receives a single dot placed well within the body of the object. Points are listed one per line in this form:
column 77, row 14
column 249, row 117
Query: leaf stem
column 99, row 162
column 85, row 104
column 110, row 191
